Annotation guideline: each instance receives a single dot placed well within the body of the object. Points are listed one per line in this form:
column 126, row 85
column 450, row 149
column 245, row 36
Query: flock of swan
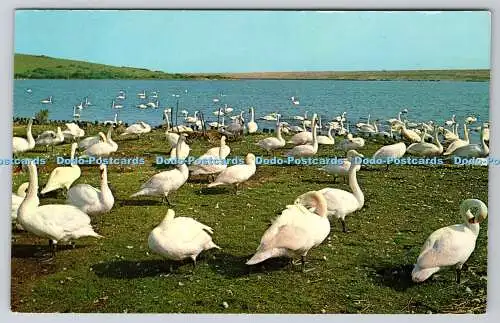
column 299, row 228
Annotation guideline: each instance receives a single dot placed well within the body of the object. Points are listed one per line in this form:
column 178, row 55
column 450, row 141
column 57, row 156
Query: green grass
column 365, row 271
column 44, row 67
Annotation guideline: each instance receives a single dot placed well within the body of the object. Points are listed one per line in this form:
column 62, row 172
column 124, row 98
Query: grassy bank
column 365, row 271
column 44, row 67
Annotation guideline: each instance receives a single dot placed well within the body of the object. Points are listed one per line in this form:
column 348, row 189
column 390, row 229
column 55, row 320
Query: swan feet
column 164, row 199
column 52, row 252
column 344, row 226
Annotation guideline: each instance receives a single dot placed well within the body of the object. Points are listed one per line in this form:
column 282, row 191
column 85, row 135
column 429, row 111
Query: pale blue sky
column 245, row 41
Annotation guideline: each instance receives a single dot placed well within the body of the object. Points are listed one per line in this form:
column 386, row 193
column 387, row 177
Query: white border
column 6, row 93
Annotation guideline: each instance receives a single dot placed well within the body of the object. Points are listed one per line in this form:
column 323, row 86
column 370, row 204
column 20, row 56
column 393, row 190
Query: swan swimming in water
column 339, row 202
column 295, row 231
column 178, row 238
column 451, row 245
column 56, row 222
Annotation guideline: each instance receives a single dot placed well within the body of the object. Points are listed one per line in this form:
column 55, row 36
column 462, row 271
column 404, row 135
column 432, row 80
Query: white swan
column 351, row 143
column 388, row 152
column 208, row 164
column 142, row 95
column 340, row 169
column 214, row 151
column 137, row 129
column 192, row 119
column 20, row 144
column 295, row 231
column 76, row 115
column 56, row 222
column 142, row 106
column 451, row 245
column 104, row 147
column 303, row 138
column 50, row 138
column 236, row 174
column 408, row 134
column 63, row 176
column 155, row 104
column 73, row 131
column 473, row 150
column 178, row 238
column 270, row 117
column 306, row 150
column 89, row 141
column 91, row 200
column 273, row 143
column 458, row 143
column 327, row 140
column 163, row 183
column 47, row 101
column 17, row 199
column 121, row 95
column 426, row 149
column 252, row 125
column 113, row 122
column 339, row 202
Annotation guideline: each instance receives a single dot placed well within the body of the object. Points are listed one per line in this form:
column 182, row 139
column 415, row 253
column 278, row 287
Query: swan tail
column 260, row 256
column 140, row 193
column 212, row 245
column 418, row 274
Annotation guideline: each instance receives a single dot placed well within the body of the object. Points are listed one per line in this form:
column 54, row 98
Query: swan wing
column 83, row 194
column 235, row 174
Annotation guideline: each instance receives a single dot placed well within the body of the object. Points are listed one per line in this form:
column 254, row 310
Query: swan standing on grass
column 172, row 138
column 306, row 150
column 408, row 134
column 20, row 144
column 271, row 144
column 179, row 238
column 209, row 164
column 91, row 200
column 295, row 231
column 180, row 152
column 252, row 125
column 214, row 151
column 89, row 141
column 351, row 143
column 63, row 176
column 236, row 174
column 340, row 203
column 303, row 138
column 458, row 143
column 56, row 222
column 17, row 199
column 50, row 138
column 104, row 147
column 163, row 183
column 73, row 131
column 451, row 245
column 341, row 168
column 394, row 151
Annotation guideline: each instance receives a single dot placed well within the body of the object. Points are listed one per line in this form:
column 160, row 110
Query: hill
column 45, row 67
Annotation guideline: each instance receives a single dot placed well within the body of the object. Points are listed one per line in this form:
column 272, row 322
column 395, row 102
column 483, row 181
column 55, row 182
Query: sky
column 258, row 41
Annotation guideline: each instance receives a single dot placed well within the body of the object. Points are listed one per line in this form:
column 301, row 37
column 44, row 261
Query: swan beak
column 473, row 220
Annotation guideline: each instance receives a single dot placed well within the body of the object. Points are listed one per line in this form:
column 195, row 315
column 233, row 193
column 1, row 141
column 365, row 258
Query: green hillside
column 44, row 67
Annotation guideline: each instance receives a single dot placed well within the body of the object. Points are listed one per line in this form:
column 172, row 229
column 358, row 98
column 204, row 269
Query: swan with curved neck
column 473, row 150
column 163, row 183
column 340, row 203
column 56, row 222
column 64, row 176
column 50, row 138
column 458, row 143
column 236, row 174
column 208, row 164
column 91, row 200
column 20, row 144
column 327, row 140
column 425, row 149
column 295, row 231
column 305, row 137
column 451, row 245
column 17, row 199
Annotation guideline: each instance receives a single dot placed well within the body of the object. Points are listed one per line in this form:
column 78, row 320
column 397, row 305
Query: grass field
column 43, row 67
column 364, row 271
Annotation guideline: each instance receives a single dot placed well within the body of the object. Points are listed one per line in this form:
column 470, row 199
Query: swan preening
column 50, row 138
column 92, row 200
column 451, row 245
column 236, row 174
column 165, row 182
column 295, row 231
column 137, row 129
column 178, row 238
column 17, row 199
column 64, row 176
column 339, row 202
column 55, row 222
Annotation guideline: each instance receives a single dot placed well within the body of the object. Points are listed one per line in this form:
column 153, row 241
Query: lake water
column 382, row 99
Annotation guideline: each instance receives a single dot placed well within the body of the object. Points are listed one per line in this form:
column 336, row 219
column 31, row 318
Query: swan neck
column 466, row 133
column 353, row 184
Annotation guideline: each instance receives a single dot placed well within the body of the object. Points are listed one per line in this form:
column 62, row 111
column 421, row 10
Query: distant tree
column 42, row 116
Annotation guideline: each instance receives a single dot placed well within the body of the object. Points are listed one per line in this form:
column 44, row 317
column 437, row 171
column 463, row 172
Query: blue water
column 382, row 99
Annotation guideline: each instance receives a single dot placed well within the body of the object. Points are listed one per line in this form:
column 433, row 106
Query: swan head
column 349, row 136
column 250, row 159
column 314, row 201
column 467, row 207
column 168, row 217
column 102, row 169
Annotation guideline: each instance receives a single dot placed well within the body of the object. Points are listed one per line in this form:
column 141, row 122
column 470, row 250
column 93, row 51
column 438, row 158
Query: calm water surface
column 382, row 99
